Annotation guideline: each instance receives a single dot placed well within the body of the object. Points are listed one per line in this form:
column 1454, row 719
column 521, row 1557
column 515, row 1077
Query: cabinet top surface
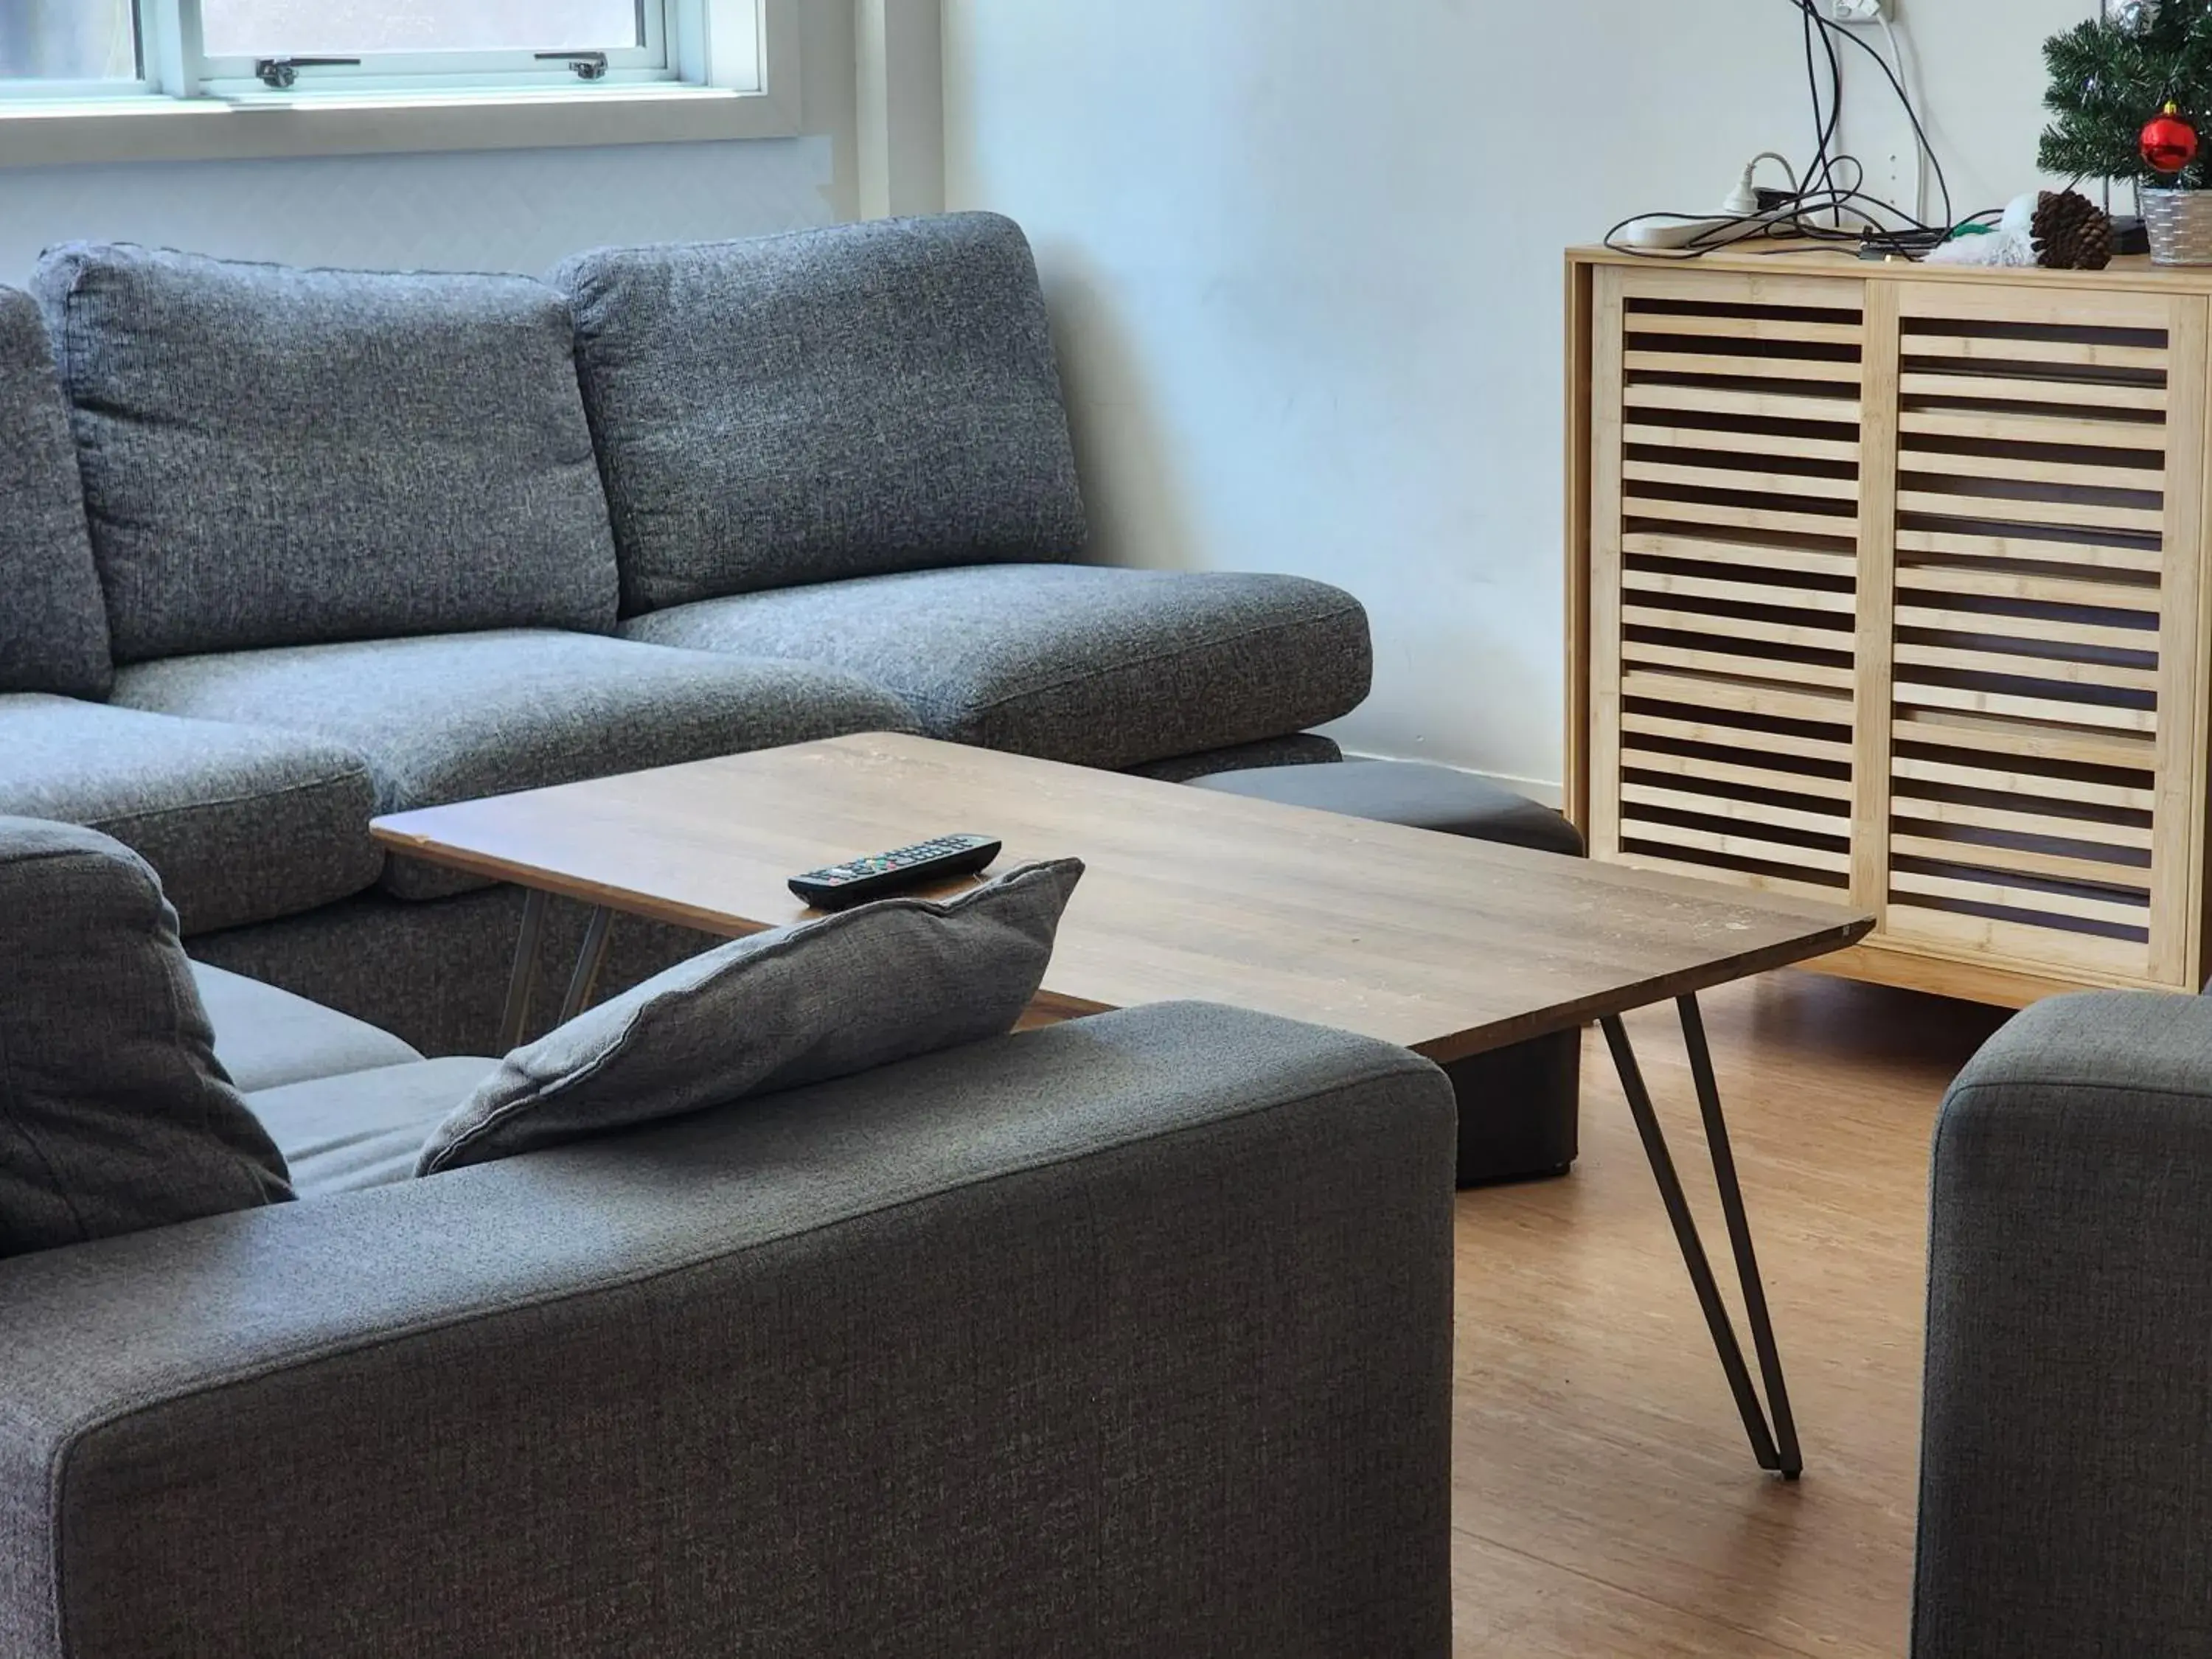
column 1816, row 259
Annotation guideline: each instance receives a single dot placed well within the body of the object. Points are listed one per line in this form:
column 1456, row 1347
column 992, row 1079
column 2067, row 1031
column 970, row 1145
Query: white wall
column 1305, row 261
column 493, row 210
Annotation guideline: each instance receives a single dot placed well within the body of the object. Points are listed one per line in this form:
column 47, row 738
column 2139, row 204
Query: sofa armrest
column 2066, row 1483
column 1129, row 1336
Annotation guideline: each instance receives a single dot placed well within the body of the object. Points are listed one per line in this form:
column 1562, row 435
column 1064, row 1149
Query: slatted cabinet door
column 2046, row 632
column 1724, row 576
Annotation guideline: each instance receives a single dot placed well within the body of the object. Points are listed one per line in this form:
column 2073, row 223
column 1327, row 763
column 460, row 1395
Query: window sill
column 336, row 124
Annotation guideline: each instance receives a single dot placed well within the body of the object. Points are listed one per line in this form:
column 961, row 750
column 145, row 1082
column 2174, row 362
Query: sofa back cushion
column 114, row 1115
column 53, row 622
column 838, row 402
column 280, row 457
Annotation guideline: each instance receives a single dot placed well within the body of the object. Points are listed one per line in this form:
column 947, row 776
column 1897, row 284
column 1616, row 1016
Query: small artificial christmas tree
column 2112, row 76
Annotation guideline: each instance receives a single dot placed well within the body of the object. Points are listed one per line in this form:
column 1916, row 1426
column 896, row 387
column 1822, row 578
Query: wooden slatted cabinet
column 1887, row 584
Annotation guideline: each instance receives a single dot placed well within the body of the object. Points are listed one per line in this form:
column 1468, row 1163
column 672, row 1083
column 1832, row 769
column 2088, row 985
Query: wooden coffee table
column 1446, row 947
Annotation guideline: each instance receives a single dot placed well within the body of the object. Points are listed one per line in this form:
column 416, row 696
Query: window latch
column 283, row 72
column 587, row 65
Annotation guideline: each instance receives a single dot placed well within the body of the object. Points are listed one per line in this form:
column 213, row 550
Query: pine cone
column 2071, row 232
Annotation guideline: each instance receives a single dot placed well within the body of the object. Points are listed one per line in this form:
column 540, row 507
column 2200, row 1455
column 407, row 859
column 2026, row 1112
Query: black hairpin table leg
column 1774, row 1443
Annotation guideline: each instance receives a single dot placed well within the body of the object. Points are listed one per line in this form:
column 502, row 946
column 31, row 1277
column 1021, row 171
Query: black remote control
column 857, row 881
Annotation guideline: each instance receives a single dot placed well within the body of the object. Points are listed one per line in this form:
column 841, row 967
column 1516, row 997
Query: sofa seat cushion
column 267, row 1038
column 461, row 716
column 341, row 1134
column 837, row 403
column 53, row 626
column 243, row 824
column 1099, row 667
column 280, row 457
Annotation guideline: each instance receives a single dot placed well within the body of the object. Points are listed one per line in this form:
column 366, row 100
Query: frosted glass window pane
column 251, row 28
column 67, row 40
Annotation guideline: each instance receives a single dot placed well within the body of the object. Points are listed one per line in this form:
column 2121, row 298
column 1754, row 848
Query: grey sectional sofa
column 1129, row 1337
column 2066, row 1462
column 287, row 548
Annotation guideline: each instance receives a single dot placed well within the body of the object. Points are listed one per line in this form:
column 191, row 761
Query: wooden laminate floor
column 1605, row 1501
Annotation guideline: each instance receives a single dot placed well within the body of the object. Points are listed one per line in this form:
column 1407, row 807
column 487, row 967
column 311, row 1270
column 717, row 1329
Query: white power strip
column 1660, row 233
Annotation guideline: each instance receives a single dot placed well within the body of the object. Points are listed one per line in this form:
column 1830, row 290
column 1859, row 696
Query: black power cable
column 1822, row 191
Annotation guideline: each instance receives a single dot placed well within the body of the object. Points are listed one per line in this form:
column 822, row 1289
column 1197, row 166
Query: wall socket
column 1855, row 11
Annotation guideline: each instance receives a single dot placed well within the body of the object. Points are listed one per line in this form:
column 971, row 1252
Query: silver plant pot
column 2180, row 223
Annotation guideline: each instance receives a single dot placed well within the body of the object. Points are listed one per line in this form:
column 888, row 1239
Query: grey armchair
column 2066, row 1488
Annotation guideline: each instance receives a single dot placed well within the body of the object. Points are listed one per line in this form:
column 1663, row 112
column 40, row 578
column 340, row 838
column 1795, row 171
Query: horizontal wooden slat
column 1991, row 388
column 2027, row 550
column 1945, row 305
column 2021, row 861
column 1746, row 328
column 1754, row 878
column 2053, row 669
column 1767, row 405
column 2031, row 708
column 2092, row 832
column 1757, row 814
column 1635, row 723
column 1697, row 691
column 2042, row 590
column 1742, row 294
column 2056, row 630
column 1739, row 592
column 1937, row 728
column 1716, row 477
column 2021, row 898
column 1786, row 854
column 1742, row 368
column 1990, row 939
column 2083, row 354
column 1731, row 772
column 1738, row 518
column 1912, row 769
column 2081, row 515
column 1740, row 443
column 2149, row 436
column 1804, row 561
column 2079, row 474
column 1749, row 629
column 1761, row 668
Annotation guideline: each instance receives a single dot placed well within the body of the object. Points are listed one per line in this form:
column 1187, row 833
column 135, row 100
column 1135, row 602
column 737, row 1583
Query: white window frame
column 717, row 70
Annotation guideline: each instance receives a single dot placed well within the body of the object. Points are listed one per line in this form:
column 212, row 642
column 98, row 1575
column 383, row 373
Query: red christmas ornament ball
column 2169, row 144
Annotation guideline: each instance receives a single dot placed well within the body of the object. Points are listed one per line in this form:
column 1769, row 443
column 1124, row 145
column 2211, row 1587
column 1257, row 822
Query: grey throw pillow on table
column 805, row 1003
column 115, row 1116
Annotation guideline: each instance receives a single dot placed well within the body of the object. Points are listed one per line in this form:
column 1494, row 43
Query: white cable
column 1919, row 150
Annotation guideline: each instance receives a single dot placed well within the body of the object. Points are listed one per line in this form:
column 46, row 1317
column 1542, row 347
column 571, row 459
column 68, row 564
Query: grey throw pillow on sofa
column 805, row 1003
column 114, row 1115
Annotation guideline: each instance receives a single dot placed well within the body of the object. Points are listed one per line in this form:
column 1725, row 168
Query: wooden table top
column 1449, row 946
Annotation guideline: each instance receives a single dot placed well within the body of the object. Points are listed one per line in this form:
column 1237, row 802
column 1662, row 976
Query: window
column 118, row 80
column 63, row 46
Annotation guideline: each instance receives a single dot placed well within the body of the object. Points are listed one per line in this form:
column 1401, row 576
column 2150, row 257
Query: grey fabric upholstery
column 1300, row 749
column 362, row 1129
column 831, row 998
column 242, row 823
column 266, row 1037
column 435, row 973
column 2066, row 1478
column 1100, row 667
column 462, row 716
column 114, row 1117
column 53, row 625
column 1412, row 793
column 837, row 403
column 1129, row 1337
column 280, row 457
